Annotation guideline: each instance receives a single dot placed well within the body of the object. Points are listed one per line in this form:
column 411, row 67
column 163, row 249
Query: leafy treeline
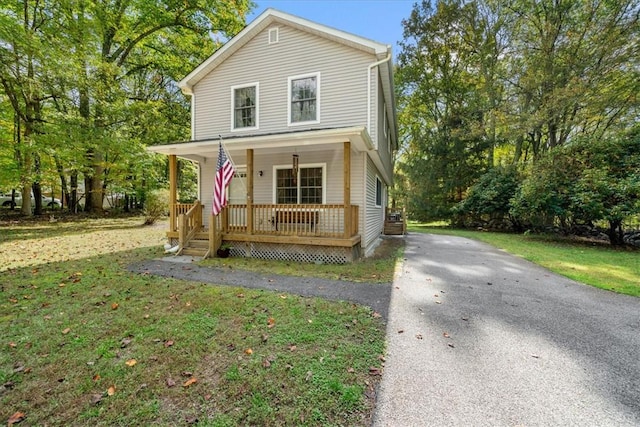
column 523, row 113
column 87, row 84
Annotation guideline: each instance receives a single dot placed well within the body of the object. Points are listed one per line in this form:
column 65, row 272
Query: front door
column 238, row 196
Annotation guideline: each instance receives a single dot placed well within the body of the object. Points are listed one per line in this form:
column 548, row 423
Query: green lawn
column 84, row 342
column 597, row 265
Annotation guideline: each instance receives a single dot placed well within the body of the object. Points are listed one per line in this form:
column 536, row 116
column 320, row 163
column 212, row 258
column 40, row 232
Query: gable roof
column 272, row 16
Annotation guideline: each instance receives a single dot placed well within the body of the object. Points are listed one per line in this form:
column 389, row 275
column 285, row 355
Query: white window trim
column 300, row 166
column 303, row 76
column 378, row 180
column 233, row 107
column 275, row 31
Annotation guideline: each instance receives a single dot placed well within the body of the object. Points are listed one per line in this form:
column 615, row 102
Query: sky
column 379, row 20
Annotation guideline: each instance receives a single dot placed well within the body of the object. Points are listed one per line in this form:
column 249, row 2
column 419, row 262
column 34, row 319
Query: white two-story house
column 307, row 114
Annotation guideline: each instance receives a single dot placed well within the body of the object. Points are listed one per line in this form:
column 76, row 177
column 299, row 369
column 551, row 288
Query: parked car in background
column 5, row 200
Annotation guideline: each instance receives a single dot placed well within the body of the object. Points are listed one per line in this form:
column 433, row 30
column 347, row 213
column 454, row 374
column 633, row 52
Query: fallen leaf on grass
column 66, row 331
column 248, row 351
column 190, row 382
column 170, row 382
column 271, row 322
column 309, row 376
column 375, row 371
column 16, row 418
column 293, row 347
column 96, row 398
column 111, row 390
column 168, row 343
column 13, row 345
column 131, row 362
column 96, row 377
column 187, row 373
column 376, row 315
column 125, row 342
column 351, row 370
column 114, row 306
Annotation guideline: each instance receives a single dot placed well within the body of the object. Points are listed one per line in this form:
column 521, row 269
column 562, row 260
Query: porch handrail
column 308, row 220
column 189, row 224
column 178, row 209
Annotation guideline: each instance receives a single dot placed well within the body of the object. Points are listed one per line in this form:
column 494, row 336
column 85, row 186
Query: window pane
column 245, row 107
column 378, row 192
column 311, row 185
column 286, row 190
column 303, row 99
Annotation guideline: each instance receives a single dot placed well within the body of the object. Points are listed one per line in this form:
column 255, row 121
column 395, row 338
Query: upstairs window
column 304, row 99
column 245, row 106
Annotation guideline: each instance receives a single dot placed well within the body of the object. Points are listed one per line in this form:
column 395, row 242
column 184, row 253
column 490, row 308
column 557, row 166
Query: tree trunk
column 615, row 233
column 73, row 199
column 37, row 190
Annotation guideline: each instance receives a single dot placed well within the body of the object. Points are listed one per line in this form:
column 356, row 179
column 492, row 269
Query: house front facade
column 306, row 113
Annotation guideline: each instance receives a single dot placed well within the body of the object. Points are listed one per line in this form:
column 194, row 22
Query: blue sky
column 380, row 20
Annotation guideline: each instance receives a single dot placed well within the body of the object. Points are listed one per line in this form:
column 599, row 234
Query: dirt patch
column 389, row 247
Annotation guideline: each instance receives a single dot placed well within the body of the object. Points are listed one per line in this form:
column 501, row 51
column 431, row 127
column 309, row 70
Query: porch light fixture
column 295, row 169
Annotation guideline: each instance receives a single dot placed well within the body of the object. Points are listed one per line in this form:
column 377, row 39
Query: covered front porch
column 302, row 232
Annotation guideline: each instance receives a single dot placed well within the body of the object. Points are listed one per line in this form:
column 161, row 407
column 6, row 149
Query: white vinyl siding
column 374, row 222
column 344, row 79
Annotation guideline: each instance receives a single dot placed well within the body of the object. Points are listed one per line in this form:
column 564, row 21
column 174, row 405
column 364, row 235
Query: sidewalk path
column 477, row 337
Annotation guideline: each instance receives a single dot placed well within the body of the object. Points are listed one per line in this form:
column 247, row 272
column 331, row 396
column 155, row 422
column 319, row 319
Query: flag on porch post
column 224, row 173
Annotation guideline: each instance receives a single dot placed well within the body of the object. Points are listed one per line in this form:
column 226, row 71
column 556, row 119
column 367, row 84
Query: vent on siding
column 274, row 35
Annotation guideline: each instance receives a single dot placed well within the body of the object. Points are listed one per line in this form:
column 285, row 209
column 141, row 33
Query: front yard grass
column 85, row 342
column 593, row 264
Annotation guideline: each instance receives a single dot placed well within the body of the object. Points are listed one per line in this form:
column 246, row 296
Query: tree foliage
column 584, row 182
column 89, row 84
column 491, row 83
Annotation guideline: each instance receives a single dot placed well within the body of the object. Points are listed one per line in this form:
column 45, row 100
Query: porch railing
column 179, row 209
column 189, row 223
column 292, row 220
column 308, row 220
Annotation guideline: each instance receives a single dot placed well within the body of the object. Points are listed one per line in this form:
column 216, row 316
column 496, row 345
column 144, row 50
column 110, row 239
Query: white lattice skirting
column 296, row 253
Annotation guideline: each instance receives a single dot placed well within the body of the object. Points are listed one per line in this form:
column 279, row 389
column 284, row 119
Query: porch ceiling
column 208, row 148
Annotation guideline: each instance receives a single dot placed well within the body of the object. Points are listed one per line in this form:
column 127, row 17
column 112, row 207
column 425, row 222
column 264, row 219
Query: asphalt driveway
column 477, row 337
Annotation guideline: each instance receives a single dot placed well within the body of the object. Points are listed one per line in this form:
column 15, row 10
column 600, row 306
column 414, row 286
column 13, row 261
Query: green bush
column 488, row 200
column 156, row 205
column 584, row 182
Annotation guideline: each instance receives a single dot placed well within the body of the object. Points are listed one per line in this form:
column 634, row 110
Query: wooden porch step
column 198, row 243
column 194, row 252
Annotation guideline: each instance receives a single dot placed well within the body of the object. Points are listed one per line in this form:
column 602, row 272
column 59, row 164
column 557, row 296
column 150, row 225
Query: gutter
column 369, row 68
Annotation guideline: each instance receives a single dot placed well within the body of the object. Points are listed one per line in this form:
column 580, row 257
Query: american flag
column 224, row 173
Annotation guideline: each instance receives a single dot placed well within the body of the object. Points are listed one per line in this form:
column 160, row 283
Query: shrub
column 155, row 205
column 488, row 199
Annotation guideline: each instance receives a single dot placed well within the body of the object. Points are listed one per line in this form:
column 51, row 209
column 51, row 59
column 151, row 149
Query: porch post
column 249, row 191
column 347, row 189
column 173, row 191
